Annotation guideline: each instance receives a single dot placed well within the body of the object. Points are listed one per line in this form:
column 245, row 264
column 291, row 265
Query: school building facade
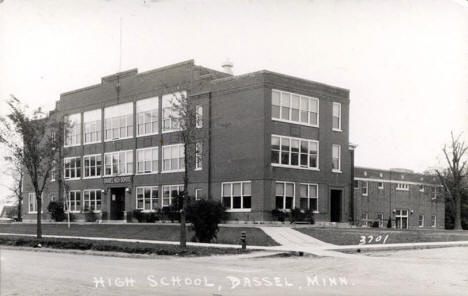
column 265, row 140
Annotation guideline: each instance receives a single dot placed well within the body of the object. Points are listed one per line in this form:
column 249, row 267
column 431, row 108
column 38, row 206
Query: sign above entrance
column 118, row 180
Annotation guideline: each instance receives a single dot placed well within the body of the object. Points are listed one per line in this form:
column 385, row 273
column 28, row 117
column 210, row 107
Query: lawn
column 353, row 236
column 163, row 232
column 113, row 246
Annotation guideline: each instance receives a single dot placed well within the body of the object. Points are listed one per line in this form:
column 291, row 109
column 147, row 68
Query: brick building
column 411, row 200
column 266, row 140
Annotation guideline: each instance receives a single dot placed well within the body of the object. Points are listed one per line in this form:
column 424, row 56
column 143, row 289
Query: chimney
column 227, row 67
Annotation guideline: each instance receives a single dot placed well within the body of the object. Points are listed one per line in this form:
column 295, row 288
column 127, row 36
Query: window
column 401, row 219
column 435, row 190
column 170, row 114
column 147, row 116
column 421, row 187
column 52, row 196
column 199, row 116
column 356, row 184
column 32, row 202
column 118, row 122
column 73, row 130
column 118, row 163
column 380, row 219
column 308, row 194
column 53, row 171
column 147, row 160
column 237, row 196
column 380, row 185
column 173, row 158
column 294, row 152
column 336, row 158
column 336, row 116
column 284, row 195
column 73, row 202
column 402, row 186
column 170, row 192
column 433, row 221
column 365, row 186
column 92, row 200
column 92, row 165
column 198, row 194
column 147, row 198
column 291, row 107
column 198, row 156
column 92, row 126
column 72, row 167
column 421, row 221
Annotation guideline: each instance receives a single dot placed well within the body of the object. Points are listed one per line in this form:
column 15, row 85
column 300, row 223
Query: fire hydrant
column 244, row 240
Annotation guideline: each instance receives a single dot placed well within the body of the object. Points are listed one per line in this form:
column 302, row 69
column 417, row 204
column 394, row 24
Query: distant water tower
column 227, row 67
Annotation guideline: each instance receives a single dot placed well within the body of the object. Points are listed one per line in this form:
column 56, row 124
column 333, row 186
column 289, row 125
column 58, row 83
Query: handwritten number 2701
column 370, row 239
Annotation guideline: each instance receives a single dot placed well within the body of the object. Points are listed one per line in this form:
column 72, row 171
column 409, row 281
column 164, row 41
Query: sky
column 404, row 62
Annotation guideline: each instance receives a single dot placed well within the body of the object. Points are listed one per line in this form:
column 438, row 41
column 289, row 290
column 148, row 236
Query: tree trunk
column 39, row 216
column 20, row 209
column 183, row 230
column 457, row 222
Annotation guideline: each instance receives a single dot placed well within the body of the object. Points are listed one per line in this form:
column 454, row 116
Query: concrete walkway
column 286, row 236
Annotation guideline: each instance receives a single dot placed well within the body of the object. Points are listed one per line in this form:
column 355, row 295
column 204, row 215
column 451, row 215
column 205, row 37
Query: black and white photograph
column 233, row 147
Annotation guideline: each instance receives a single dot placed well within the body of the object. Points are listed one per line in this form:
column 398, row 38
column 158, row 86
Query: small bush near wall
column 91, row 217
column 279, row 215
column 205, row 215
column 389, row 223
column 137, row 214
column 298, row 215
column 56, row 211
column 150, row 217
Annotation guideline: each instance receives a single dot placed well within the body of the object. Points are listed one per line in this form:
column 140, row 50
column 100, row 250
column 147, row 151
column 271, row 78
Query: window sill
column 68, row 146
column 93, row 177
column 337, row 171
column 72, row 179
column 95, row 212
column 120, row 175
column 293, row 167
column 72, row 212
column 337, row 130
column 171, row 131
column 365, row 194
column 238, row 210
column 173, row 171
column 147, row 135
column 90, row 143
column 143, row 174
column 117, row 139
column 295, row 122
column 198, row 169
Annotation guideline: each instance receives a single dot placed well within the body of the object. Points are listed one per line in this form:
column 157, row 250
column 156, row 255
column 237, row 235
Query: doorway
column 117, row 204
column 335, row 205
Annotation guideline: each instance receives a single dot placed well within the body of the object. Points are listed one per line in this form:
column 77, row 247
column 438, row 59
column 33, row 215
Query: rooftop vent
column 227, row 67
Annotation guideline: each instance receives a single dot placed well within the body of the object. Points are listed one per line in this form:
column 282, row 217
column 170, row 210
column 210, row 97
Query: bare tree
column 33, row 140
column 453, row 176
column 16, row 171
column 187, row 118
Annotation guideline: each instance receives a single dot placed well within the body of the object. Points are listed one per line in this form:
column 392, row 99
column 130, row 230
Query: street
column 414, row 272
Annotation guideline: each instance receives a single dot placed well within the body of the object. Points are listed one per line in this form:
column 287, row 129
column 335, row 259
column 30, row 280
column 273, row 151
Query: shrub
column 298, row 215
column 150, row 217
column 56, row 211
column 375, row 224
column 279, row 215
column 90, row 217
column 389, row 223
column 137, row 214
column 205, row 215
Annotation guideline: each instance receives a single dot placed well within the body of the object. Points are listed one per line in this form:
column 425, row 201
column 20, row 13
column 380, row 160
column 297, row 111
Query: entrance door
column 335, row 205
column 117, row 206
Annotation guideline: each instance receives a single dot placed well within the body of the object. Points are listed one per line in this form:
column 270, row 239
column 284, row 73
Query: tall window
column 294, row 152
column 198, row 156
column 147, row 198
column 72, row 167
column 92, row 165
column 118, row 163
column 284, row 195
column 199, row 194
column 73, row 130
column 433, row 221
column 92, row 200
column 53, row 171
column 294, row 108
column 73, row 202
column 380, row 218
column 147, row 116
column 237, row 195
column 199, row 116
column 336, row 116
column 401, row 219
column 365, row 187
column 118, row 122
column 32, row 202
column 147, row 160
column 421, row 221
column 170, row 120
column 308, row 194
column 173, row 158
column 170, row 192
column 336, row 158
column 92, row 126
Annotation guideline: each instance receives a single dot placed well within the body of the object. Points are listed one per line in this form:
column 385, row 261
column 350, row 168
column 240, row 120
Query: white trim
column 393, row 181
column 423, row 218
column 298, row 166
column 117, row 139
column 434, row 224
column 380, row 187
column 231, row 183
column 181, row 146
column 159, row 199
column 338, row 170
column 284, row 195
column 96, row 166
column 293, row 167
column 299, row 122
column 143, row 150
column 367, row 189
column 76, row 168
column 339, row 117
column 294, row 122
column 317, row 198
